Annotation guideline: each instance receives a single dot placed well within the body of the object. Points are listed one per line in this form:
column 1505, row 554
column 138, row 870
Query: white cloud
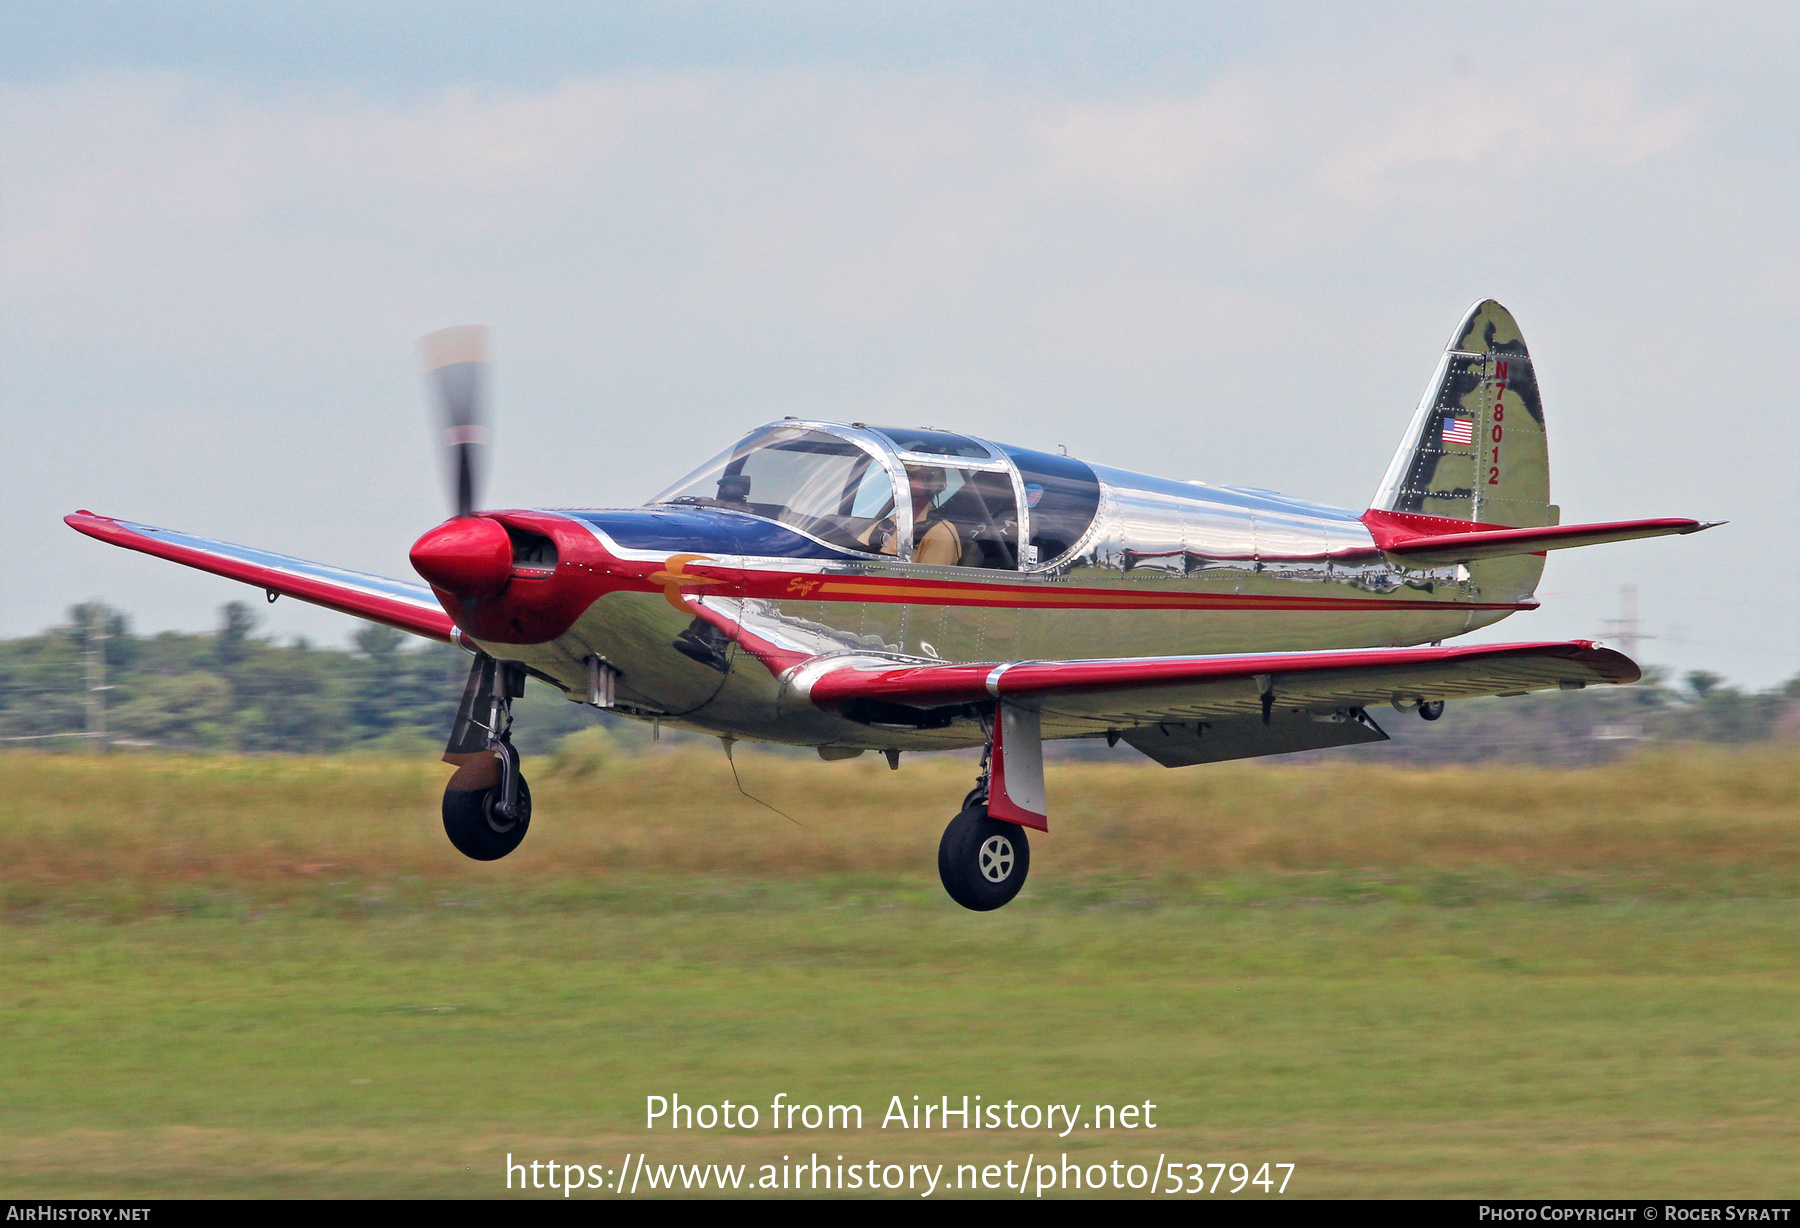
column 1161, row 150
column 825, row 193
column 1481, row 129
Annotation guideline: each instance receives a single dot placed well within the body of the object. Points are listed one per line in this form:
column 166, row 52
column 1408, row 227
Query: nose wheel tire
column 982, row 861
column 473, row 821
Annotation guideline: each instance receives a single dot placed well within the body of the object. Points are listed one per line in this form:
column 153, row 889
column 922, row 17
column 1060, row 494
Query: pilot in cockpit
column 734, row 488
column 936, row 539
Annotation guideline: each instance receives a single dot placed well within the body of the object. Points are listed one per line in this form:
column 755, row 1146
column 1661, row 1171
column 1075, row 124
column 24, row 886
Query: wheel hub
column 995, row 858
column 497, row 822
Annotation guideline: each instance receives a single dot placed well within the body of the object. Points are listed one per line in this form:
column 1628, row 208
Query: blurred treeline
column 232, row 690
column 1594, row 726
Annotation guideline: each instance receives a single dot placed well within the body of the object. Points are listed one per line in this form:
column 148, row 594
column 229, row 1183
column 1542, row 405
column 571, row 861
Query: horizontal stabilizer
column 398, row 604
column 1429, row 541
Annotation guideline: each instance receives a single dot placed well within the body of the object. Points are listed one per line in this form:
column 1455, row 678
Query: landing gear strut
column 487, row 804
column 982, row 860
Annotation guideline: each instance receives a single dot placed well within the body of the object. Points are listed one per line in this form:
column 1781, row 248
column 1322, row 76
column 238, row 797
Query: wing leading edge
column 403, row 606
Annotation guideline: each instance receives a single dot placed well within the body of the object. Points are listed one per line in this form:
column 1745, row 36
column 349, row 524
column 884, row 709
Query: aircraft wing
column 398, row 604
column 1085, row 697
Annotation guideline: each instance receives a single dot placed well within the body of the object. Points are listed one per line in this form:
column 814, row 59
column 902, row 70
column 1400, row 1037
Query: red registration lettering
column 1500, row 371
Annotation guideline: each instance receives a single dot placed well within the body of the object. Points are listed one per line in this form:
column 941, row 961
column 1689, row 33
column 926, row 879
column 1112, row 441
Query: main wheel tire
column 983, row 861
column 476, row 827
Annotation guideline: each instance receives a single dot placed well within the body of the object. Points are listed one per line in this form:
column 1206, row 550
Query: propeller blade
column 456, row 362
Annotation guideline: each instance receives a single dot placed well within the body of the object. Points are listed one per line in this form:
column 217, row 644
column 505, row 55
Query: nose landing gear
column 477, row 825
column 487, row 804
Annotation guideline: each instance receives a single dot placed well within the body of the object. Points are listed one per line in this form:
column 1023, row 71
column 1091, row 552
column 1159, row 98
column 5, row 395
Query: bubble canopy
column 932, row 496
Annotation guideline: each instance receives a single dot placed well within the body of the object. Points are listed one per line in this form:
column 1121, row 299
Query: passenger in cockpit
column 935, row 538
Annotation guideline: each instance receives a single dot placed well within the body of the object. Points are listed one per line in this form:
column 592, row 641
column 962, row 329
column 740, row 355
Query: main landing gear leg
column 983, row 860
column 487, row 804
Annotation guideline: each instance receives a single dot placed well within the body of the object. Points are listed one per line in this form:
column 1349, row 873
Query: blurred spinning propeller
column 456, row 365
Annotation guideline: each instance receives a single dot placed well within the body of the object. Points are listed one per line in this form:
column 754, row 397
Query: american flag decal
column 1459, row 431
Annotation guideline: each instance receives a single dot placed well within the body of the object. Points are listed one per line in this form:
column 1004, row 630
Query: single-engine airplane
column 857, row 588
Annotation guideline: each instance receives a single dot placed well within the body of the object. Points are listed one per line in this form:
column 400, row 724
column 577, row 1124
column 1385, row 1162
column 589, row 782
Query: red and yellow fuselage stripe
column 786, row 586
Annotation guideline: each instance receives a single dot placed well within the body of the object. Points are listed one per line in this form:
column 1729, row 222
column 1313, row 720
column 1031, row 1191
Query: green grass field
column 272, row 977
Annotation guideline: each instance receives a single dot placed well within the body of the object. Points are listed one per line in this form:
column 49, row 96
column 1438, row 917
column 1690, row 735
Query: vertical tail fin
column 1476, row 449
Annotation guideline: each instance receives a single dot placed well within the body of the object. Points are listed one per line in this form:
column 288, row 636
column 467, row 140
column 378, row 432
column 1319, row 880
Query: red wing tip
column 91, row 523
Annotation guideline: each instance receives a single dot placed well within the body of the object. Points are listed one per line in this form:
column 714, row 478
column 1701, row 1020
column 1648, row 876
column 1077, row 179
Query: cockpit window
column 934, row 443
column 963, row 517
column 1063, row 495
column 816, row 482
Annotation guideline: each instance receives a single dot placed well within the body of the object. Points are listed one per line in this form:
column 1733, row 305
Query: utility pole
column 96, row 676
column 1626, row 628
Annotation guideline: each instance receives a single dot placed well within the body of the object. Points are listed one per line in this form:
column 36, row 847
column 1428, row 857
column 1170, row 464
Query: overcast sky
column 1218, row 242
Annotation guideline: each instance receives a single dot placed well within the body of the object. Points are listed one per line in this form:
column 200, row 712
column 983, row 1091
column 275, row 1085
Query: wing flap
column 396, row 603
column 1184, row 745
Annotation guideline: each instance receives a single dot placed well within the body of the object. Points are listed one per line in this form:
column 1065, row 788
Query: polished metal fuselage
column 1166, row 568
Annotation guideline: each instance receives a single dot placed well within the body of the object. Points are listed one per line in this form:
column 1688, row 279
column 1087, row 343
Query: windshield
column 813, row 481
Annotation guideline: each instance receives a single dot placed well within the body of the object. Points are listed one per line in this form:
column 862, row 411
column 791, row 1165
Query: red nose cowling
column 469, row 556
